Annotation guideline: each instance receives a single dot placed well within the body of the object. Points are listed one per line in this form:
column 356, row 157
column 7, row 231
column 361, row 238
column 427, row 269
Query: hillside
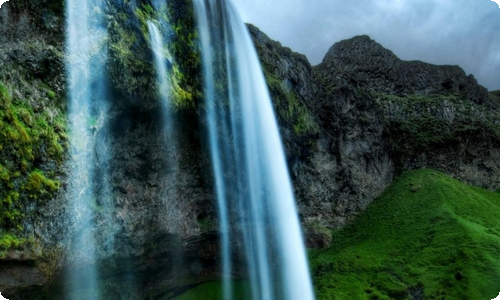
column 428, row 236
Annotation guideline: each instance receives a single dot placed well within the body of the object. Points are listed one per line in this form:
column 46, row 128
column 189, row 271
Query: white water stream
column 256, row 202
column 88, row 187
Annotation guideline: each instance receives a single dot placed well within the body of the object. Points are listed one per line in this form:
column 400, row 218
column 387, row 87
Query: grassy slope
column 428, row 234
column 427, row 237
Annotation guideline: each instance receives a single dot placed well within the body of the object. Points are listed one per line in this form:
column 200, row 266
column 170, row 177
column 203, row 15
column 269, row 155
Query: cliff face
column 33, row 142
column 378, row 116
column 345, row 163
column 434, row 116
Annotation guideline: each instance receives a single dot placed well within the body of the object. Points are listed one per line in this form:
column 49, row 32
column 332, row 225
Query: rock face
column 163, row 223
column 378, row 116
column 32, row 70
column 345, row 163
column 369, row 66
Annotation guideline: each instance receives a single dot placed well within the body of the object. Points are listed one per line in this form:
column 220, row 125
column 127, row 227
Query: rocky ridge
column 371, row 67
column 378, row 116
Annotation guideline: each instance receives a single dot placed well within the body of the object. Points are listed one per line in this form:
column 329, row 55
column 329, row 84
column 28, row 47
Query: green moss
column 37, row 185
column 206, row 224
column 182, row 99
column 416, row 127
column 131, row 62
column 184, row 48
column 27, row 140
column 289, row 109
column 4, row 96
column 495, row 97
column 441, row 238
column 8, row 242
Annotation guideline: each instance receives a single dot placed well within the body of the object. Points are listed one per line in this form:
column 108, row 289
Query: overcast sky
column 456, row 32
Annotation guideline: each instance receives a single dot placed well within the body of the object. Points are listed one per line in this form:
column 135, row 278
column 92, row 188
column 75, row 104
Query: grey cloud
column 458, row 32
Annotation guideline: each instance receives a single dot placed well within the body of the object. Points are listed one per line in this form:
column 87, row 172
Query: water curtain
column 254, row 193
column 88, row 185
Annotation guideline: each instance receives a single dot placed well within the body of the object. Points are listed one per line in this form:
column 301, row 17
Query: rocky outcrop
column 290, row 79
column 346, row 163
column 434, row 116
column 371, row 67
column 378, row 116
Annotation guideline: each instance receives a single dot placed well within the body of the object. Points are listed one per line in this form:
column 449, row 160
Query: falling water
column 252, row 181
column 87, row 112
column 160, row 63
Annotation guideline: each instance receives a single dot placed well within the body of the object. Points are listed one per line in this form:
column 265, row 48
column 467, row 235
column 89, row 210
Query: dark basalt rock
column 347, row 162
column 366, row 64
column 378, row 116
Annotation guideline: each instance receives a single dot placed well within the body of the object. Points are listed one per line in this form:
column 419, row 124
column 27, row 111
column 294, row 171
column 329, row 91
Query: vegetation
column 131, row 62
column 290, row 109
column 185, row 49
column 495, row 97
column 416, row 123
column 27, row 141
column 427, row 237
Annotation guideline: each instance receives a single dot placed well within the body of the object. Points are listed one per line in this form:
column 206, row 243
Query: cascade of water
column 157, row 47
column 163, row 63
column 159, row 37
column 87, row 112
column 252, row 182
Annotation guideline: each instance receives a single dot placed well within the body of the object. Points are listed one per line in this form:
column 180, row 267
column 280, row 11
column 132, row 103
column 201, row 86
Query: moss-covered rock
column 495, row 97
column 292, row 112
column 131, row 65
column 416, row 124
column 29, row 143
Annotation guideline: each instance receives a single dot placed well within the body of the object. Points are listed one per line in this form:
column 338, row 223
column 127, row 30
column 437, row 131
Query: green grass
column 428, row 233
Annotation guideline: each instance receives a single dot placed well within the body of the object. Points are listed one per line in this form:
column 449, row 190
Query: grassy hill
column 427, row 237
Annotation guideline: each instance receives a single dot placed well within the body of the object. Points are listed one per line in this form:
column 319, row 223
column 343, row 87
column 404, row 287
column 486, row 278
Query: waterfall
column 254, row 193
column 163, row 63
column 253, row 187
column 88, row 184
column 160, row 60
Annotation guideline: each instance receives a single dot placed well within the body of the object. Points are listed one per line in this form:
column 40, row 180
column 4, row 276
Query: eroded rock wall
column 378, row 116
